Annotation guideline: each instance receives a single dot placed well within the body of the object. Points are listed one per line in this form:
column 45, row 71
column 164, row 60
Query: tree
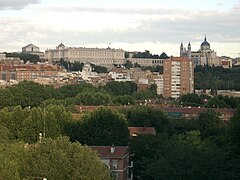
column 123, row 100
column 74, row 89
column 121, row 88
column 28, row 93
column 99, row 69
column 185, row 156
column 191, row 100
column 33, row 58
column 4, row 134
column 6, row 98
column 164, row 56
column 103, row 127
column 210, row 124
column 143, row 147
column 128, row 64
column 145, row 116
column 98, row 98
column 10, row 158
column 61, row 159
column 234, row 129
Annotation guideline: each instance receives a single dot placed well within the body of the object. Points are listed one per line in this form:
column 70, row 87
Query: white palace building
column 97, row 56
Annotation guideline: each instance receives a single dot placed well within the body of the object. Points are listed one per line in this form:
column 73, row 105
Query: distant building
column 159, row 82
column 226, row 63
column 146, row 61
column 9, row 60
column 32, row 49
column 178, row 77
column 87, row 72
column 204, row 56
column 193, row 112
column 27, row 72
column 135, row 131
column 116, row 158
column 98, row 56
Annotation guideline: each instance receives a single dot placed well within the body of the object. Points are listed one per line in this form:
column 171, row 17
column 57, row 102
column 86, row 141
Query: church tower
column 189, row 52
column 181, row 49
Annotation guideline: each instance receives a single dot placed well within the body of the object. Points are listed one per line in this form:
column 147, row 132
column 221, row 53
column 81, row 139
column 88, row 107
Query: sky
column 132, row 25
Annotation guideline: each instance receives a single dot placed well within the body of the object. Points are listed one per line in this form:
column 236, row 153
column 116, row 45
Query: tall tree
column 61, row 159
column 145, row 116
column 103, row 127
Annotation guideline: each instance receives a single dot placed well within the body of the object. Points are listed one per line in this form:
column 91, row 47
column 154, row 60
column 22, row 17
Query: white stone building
column 204, row 56
column 146, row 61
column 32, row 49
column 98, row 56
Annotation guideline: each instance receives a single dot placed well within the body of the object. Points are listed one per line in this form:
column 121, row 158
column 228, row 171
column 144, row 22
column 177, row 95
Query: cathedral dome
column 205, row 44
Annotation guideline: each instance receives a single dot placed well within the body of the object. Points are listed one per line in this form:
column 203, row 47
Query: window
column 4, row 77
column 114, row 164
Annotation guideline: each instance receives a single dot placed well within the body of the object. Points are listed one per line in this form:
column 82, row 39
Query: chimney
column 112, row 149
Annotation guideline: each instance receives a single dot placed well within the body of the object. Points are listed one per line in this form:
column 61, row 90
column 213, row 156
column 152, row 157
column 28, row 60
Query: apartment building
column 27, row 72
column 116, row 158
column 178, row 77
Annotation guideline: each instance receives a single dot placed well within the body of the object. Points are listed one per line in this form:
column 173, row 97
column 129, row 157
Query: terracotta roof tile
column 105, row 151
column 142, row 130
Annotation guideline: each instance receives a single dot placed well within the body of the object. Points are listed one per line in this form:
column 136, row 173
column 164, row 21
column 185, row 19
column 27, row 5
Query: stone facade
column 204, row 56
column 32, row 49
column 98, row 56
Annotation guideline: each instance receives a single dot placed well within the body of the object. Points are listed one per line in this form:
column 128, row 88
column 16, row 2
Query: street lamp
column 40, row 137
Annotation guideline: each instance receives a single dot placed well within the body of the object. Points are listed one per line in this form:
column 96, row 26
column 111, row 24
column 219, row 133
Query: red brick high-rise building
column 178, row 77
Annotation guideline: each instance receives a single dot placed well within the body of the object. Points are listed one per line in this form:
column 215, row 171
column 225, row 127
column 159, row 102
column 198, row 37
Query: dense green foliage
column 101, row 127
column 147, row 54
column 26, row 94
column 207, row 77
column 206, row 101
column 121, row 88
column 25, row 57
column 77, row 66
column 204, row 148
column 208, row 150
column 51, row 159
column 145, row 116
column 71, row 66
column 26, row 124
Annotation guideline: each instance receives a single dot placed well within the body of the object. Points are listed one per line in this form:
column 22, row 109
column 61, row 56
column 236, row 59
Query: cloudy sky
column 133, row 25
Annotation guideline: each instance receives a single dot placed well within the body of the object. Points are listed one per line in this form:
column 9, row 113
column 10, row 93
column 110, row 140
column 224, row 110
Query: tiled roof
column 142, row 130
column 105, row 151
column 196, row 110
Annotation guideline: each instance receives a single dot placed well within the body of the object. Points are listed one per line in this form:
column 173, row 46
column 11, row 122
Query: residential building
column 193, row 112
column 98, row 56
column 178, row 77
column 204, row 56
column 9, row 60
column 135, row 131
column 226, row 63
column 159, row 82
column 116, row 158
column 27, row 72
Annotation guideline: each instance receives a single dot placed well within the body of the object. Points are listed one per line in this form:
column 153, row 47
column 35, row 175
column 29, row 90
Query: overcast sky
column 133, row 25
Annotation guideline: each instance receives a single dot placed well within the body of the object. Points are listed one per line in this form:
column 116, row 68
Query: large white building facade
column 97, row 56
column 204, row 56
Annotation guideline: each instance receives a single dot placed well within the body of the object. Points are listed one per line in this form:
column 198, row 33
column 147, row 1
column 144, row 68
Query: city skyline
column 153, row 25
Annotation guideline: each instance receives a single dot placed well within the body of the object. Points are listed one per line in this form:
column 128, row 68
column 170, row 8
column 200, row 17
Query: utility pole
column 44, row 121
